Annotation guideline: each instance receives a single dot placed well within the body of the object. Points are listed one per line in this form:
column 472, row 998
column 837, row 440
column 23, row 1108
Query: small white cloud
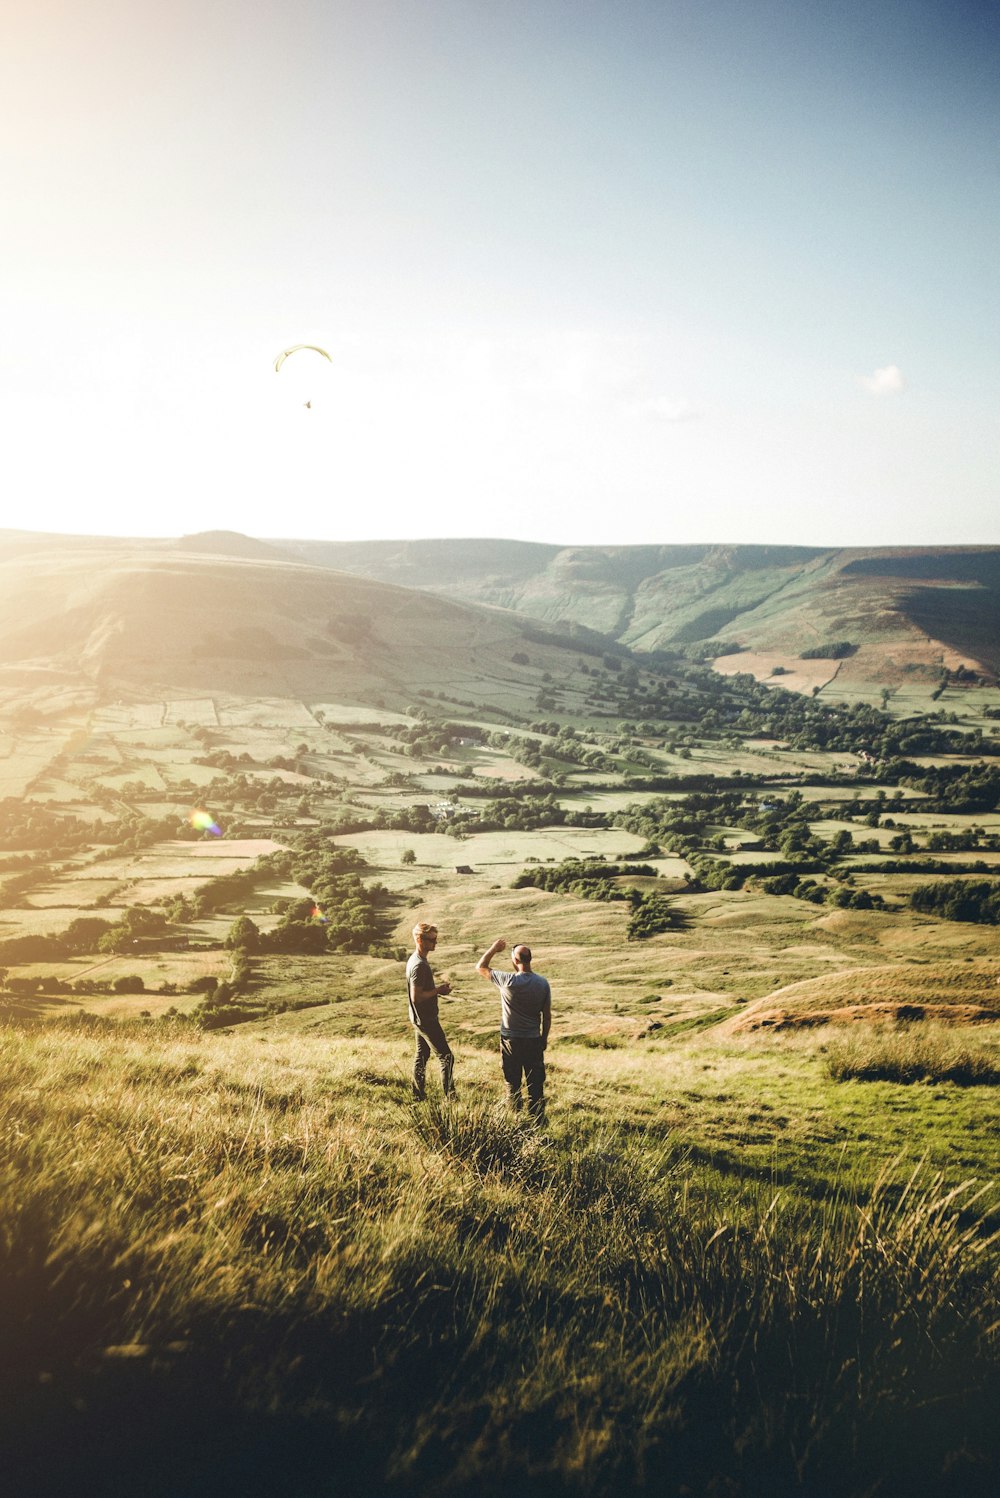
column 666, row 409
column 887, row 381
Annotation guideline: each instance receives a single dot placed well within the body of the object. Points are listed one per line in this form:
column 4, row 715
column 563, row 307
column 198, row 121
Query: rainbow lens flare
column 203, row 822
column 317, row 915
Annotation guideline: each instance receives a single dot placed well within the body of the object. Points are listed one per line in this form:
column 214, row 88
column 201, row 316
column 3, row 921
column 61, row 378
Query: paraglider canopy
column 279, row 361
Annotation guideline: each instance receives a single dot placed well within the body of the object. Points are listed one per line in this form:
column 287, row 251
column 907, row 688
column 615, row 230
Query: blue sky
column 587, row 272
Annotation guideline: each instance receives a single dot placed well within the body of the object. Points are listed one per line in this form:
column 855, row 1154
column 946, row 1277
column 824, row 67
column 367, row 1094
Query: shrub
column 651, row 915
column 960, row 900
column 128, row 983
column 207, row 983
column 836, row 650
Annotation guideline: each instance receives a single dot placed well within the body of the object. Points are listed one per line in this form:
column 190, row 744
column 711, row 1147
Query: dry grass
column 959, row 991
column 927, row 1052
column 248, row 1264
column 796, row 675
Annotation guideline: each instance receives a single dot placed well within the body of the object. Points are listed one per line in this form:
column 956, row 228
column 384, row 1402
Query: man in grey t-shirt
column 525, row 1020
column 422, row 995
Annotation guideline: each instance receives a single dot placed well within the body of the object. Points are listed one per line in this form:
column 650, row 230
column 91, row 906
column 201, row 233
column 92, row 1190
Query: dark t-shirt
column 523, row 999
column 419, row 979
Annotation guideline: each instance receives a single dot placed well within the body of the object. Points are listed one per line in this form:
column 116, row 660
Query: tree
column 408, row 856
column 24, row 987
column 82, row 934
column 650, row 915
column 116, row 940
column 139, row 920
column 243, row 934
column 128, row 983
column 206, row 983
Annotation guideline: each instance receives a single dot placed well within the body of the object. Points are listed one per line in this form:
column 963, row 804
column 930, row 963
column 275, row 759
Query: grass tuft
column 912, row 1053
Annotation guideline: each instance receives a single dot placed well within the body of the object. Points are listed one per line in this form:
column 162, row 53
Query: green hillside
column 753, row 1249
column 246, row 1263
column 908, row 611
column 225, row 613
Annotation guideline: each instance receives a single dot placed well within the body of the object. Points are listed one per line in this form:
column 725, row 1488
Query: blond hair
column 424, row 928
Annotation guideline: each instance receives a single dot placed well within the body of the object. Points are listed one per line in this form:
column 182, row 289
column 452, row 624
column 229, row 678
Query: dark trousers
column 524, row 1055
column 430, row 1037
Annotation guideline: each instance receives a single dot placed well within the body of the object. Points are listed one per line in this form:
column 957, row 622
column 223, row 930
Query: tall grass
column 229, row 1266
column 922, row 1052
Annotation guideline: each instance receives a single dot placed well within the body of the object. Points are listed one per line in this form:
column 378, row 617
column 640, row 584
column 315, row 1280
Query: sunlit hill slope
column 228, row 613
column 906, row 610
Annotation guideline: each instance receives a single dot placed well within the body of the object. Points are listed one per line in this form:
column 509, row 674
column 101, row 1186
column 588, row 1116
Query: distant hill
column 199, row 616
column 223, row 611
column 951, row 992
column 231, row 544
column 905, row 610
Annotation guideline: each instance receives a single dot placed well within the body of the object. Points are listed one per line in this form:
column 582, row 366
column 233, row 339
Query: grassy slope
column 244, row 1263
column 909, row 610
column 231, row 1259
column 244, row 626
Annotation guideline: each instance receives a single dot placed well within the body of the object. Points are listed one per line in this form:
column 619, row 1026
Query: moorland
column 754, row 1248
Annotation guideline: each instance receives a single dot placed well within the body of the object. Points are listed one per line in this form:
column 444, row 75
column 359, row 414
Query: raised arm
column 483, row 965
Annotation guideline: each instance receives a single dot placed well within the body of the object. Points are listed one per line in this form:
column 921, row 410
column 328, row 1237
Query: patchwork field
column 496, row 854
column 152, row 746
column 757, row 1229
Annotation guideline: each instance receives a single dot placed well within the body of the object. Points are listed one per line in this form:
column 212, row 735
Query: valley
column 228, row 788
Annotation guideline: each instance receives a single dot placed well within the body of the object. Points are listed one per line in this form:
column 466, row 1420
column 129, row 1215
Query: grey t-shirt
column 523, row 998
column 420, row 978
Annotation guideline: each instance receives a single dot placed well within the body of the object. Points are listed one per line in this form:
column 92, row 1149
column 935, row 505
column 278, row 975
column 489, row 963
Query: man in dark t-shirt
column 525, row 1020
column 422, row 996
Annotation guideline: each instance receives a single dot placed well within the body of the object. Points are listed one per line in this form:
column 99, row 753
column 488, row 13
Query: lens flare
column 203, row 822
column 317, row 915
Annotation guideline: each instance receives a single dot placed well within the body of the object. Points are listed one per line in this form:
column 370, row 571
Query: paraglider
column 297, row 348
column 279, row 361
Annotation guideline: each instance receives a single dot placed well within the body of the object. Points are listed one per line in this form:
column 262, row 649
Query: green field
column 753, row 1250
column 261, row 1242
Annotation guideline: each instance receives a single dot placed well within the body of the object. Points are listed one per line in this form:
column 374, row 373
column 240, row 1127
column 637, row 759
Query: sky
column 587, row 271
